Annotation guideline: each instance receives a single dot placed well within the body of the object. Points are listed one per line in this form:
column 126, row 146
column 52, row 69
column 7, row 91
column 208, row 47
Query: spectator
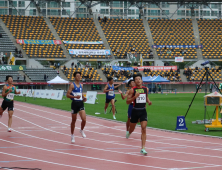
column 58, row 65
column 64, row 67
column 45, row 77
column 75, row 66
column 171, row 70
column 72, row 64
column 16, row 50
column 78, row 64
column 24, row 78
column 58, row 72
column 0, row 35
column 18, row 78
column 99, row 64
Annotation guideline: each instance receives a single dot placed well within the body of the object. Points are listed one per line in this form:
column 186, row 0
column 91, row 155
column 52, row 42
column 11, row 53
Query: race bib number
column 111, row 93
column 141, row 98
column 10, row 96
column 78, row 94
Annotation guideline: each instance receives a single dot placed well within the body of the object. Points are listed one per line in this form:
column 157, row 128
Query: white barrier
column 91, row 97
column 45, row 94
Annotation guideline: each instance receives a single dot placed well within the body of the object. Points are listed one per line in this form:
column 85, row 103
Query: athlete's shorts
column 7, row 104
column 77, row 106
column 108, row 100
column 138, row 113
column 130, row 108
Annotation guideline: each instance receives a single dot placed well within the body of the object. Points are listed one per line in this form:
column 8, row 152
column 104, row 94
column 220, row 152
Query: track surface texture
column 41, row 139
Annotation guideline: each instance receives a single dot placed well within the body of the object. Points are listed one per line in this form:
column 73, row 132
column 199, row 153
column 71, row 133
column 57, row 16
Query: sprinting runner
column 131, row 84
column 77, row 106
column 139, row 96
column 110, row 95
column 8, row 93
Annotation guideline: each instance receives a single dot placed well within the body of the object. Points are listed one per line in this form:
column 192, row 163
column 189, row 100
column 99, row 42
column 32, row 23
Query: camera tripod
column 205, row 74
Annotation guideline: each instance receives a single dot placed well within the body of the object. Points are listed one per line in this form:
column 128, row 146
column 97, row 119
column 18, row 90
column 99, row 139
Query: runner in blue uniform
column 110, row 95
column 8, row 93
column 139, row 96
column 75, row 93
column 131, row 84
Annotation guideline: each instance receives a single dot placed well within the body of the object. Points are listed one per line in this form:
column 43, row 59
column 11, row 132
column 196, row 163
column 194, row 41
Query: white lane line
column 44, row 161
column 117, row 144
column 165, row 143
column 197, row 141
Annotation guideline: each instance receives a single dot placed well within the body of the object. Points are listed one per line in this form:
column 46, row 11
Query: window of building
column 165, row 12
column 32, row 12
column 165, row 5
column 206, row 13
column 22, row 11
column 21, row 4
column 66, row 12
column 215, row 5
column 53, row 4
column 13, row 4
column 117, row 4
column 3, row 3
column 66, row 4
column 131, row 12
column 213, row 13
column 3, row 11
column 32, row 4
column 12, row 11
column 104, row 11
column 181, row 12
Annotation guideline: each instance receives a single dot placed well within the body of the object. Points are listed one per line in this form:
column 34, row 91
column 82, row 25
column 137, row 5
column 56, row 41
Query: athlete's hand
column 120, row 91
column 84, row 100
column 137, row 94
column 150, row 103
column 78, row 97
column 19, row 92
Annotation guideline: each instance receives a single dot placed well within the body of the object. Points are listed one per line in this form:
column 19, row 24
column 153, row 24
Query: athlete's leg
column 106, row 105
column 10, row 113
column 74, row 117
column 113, row 106
column 132, row 127
column 82, row 114
column 1, row 112
column 128, row 124
column 143, row 135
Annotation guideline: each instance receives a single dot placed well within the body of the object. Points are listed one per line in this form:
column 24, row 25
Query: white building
column 114, row 9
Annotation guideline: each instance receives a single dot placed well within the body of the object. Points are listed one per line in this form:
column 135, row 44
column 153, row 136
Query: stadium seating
column 117, row 75
column 33, row 28
column 78, row 29
column 167, row 74
column 210, row 37
column 173, row 32
column 87, row 74
column 125, row 35
column 14, row 75
column 38, row 74
column 6, row 45
column 197, row 75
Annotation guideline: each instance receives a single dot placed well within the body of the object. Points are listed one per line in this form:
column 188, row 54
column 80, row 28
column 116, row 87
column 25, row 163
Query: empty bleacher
column 171, row 75
column 173, row 32
column 38, row 74
column 78, row 29
column 33, row 28
column 126, row 35
column 193, row 74
column 6, row 45
column 15, row 75
column 88, row 74
column 210, row 37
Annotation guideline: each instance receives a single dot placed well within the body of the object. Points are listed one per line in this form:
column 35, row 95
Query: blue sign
column 177, row 46
column 181, row 124
column 122, row 68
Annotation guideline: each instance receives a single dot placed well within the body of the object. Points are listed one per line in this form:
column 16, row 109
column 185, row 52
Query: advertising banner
column 122, row 68
column 89, row 52
column 19, row 41
column 82, row 42
column 157, row 68
column 177, row 46
column 91, row 97
column 12, row 67
column 179, row 59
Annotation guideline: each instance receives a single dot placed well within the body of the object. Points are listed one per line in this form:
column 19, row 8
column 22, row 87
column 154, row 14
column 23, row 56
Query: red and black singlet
column 140, row 102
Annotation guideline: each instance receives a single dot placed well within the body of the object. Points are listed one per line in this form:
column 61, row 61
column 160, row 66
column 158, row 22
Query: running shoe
column 114, row 117
column 72, row 139
column 9, row 129
column 143, row 152
column 104, row 111
column 82, row 133
column 127, row 134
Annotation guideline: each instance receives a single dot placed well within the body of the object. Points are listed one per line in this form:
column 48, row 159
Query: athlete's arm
column 17, row 92
column 147, row 98
column 84, row 98
column 123, row 96
column 4, row 94
column 130, row 97
column 105, row 89
column 117, row 85
column 68, row 95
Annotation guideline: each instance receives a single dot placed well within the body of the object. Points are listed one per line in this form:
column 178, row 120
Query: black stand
column 112, row 107
column 25, row 96
column 206, row 74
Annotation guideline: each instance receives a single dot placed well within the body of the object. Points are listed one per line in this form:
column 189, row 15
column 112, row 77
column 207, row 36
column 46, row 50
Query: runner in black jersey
column 139, row 96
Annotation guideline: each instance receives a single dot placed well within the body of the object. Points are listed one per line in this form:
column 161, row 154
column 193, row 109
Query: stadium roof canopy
column 137, row 1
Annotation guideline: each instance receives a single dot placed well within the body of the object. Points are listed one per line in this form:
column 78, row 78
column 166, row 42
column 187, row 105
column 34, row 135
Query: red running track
column 41, row 139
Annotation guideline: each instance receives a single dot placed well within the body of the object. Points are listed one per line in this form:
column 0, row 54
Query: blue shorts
column 130, row 110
